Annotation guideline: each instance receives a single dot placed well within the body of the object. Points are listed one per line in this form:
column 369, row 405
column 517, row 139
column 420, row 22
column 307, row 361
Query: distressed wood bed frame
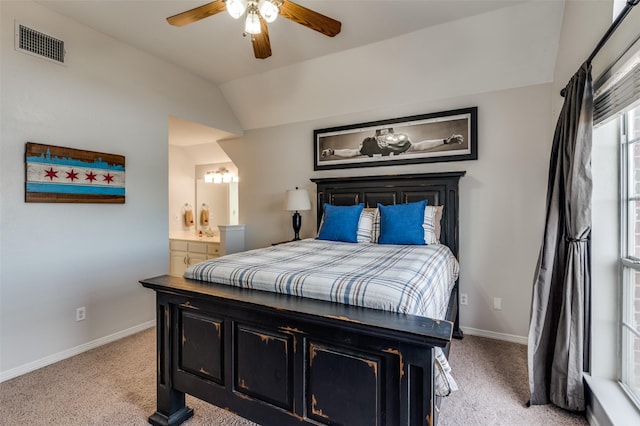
column 283, row 360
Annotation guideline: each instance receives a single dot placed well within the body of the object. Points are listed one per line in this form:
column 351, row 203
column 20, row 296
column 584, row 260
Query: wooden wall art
column 56, row 174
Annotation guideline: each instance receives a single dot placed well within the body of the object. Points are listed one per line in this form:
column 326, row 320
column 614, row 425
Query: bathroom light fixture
column 220, row 176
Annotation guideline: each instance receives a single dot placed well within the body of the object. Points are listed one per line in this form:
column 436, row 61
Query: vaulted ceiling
column 215, row 48
column 407, row 50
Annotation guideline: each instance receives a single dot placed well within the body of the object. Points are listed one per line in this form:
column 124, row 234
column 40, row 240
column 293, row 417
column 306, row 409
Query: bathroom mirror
column 222, row 202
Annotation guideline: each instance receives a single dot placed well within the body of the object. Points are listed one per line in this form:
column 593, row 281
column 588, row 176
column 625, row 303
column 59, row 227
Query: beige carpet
column 115, row 385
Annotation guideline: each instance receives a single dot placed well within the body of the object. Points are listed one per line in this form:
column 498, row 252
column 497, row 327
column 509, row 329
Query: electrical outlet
column 497, row 303
column 81, row 313
column 464, row 299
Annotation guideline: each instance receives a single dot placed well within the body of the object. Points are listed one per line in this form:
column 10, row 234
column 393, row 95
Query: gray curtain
column 559, row 325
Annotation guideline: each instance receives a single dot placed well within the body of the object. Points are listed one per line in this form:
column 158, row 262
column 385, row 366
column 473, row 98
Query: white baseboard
column 523, row 340
column 51, row 359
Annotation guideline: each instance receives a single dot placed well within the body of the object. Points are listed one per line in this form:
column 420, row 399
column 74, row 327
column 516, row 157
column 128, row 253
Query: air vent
column 35, row 43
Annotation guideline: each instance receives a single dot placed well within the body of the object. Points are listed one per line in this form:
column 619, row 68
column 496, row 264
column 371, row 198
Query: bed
column 281, row 359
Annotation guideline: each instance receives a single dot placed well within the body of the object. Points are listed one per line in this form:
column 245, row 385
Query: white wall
column 182, row 189
column 584, row 23
column 56, row 257
column 605, row 250
column 501, row 198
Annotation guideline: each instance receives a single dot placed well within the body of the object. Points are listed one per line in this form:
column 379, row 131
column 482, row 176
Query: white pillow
column 365, row 225
column 375, row 229
column 431, row 224
column 439, row 210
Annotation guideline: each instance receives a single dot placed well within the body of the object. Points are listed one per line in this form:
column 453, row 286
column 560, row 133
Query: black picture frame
column 425, row 138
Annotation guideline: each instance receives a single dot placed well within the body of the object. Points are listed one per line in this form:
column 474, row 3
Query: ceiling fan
column 257, row 14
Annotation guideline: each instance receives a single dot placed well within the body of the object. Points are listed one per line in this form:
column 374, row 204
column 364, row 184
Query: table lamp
column 297, row 200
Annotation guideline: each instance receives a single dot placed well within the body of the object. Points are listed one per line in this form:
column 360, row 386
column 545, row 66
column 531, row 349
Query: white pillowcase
column 365, row 225
column 375, row 231
column 431, row 222
column 439, row 210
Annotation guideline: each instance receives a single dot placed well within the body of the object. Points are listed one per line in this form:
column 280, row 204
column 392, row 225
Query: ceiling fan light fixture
column 256, row 15
column 269, row 10
column 236, row 8
column 252, row 22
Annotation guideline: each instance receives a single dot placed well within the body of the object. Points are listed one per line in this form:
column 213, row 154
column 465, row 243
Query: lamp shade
column 296, row 200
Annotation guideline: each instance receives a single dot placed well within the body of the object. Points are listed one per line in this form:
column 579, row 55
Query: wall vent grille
column 39, row 44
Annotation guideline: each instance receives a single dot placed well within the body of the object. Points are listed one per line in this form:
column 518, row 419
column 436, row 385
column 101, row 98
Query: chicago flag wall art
column 64, row 175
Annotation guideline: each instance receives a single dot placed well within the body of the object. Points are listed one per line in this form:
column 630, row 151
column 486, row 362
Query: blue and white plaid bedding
column 412, row 279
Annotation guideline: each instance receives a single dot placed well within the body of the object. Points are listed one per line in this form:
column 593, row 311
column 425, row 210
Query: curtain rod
column 614, row 26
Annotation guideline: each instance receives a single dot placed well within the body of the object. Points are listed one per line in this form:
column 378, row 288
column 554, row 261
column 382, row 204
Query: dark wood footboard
column 284, row 360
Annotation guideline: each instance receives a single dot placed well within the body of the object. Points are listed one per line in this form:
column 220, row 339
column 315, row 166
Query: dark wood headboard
column 437, row 188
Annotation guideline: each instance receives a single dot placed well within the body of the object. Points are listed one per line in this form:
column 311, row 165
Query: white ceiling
column 198, row 141
column 186, row 133
column 215, row 49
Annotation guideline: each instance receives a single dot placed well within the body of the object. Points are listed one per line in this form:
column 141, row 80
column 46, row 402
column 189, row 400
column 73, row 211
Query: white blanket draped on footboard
column 411, row 279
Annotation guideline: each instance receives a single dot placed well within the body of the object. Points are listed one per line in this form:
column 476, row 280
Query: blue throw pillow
column 340, row 223
column 402, row 223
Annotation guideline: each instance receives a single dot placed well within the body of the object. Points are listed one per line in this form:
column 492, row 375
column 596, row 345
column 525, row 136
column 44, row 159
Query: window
column 630, row 250
column 617, row 96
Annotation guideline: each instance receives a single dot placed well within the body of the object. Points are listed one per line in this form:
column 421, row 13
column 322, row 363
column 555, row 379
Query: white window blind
column 618, row 95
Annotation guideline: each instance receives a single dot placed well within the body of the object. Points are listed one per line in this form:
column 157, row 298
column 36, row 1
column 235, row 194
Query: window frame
column 629, row 264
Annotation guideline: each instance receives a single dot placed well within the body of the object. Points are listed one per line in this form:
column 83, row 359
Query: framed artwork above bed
column 427, row 138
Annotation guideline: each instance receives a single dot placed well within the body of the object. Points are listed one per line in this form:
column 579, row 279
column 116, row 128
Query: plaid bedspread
column 408, row 279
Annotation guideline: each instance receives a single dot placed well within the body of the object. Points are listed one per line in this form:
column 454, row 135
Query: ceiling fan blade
column 261, row 43
column 197, row 13
column 309, row 18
